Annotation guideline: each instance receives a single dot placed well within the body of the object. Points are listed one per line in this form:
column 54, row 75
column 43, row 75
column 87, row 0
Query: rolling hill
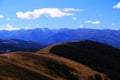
column 98, row 56
column 44, row 66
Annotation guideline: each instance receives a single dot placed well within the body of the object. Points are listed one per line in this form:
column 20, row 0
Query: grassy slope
column 43, row 66
column 100, row 57
column 13, row 71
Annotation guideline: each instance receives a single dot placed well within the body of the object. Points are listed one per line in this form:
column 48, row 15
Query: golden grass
column 50, row 66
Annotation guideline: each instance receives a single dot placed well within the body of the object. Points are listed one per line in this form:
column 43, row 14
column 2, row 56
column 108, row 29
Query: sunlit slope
column 44, row 66
column 14, row 71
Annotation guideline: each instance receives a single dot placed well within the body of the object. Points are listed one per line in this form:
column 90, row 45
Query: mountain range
column 51, row 36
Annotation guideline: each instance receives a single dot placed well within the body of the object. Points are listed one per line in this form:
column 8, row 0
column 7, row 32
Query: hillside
column 43, row 66
column 98, row 56
column 14, row 71
column 10, row 45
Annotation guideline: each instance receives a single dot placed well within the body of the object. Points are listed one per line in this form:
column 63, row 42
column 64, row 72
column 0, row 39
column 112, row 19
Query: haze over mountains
column 52, row 36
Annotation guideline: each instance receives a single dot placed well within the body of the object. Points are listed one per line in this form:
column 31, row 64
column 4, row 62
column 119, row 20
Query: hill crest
column 98, row 56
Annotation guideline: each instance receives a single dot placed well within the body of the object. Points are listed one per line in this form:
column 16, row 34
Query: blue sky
column 30, row 14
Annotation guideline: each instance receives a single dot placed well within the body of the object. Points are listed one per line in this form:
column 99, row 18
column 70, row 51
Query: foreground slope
column 14, row 71
column 44, row 66
column 98, row 56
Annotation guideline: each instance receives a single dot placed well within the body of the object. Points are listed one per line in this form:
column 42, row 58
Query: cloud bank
column 93, row 22
column 71, row 9
column 117, row 5
column 81, row 26
column 51, row 12
column 9, row 28
column 1, row 16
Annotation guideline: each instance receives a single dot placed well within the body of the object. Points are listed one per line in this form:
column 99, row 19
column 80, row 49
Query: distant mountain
column 44, row 66
column 110, row 37
column 37, row 35
column 10, row 45
column 52, row 36
column 98, row 56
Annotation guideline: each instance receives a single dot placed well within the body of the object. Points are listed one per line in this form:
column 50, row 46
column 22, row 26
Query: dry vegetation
column 100, row 57
column 43, row 66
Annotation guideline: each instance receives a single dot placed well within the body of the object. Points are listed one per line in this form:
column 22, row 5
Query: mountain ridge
column 52, row 36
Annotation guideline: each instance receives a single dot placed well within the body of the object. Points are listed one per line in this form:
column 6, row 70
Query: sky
column 56, row 14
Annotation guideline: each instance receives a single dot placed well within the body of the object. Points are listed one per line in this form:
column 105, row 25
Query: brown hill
column 43, row 66
column 98, row 56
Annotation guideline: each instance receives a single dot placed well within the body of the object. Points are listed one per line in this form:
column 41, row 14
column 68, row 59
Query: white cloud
column 74, row 18
column 71, row 9
column 1, row 16
column 27, row 28
column 51, row 12
column 93, row 22
column 10, row 28
column 81, row 26
column 8, row 19
column 117, row 5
